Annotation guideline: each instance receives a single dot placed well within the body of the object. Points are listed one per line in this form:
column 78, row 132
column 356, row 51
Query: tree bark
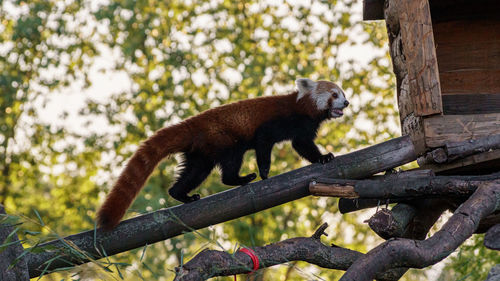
column 418, row 254
column 220, row 207
column 211, row 263
column 400, row 186
column 457, row 150
column 11, row 266
column 392, row 223
column 492, row 238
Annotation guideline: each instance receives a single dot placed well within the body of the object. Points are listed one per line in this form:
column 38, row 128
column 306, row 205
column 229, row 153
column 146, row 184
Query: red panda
column 220, row 136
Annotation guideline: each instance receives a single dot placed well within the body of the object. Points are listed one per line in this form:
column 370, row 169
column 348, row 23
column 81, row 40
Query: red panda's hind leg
column 195, row 170
column 230, row 164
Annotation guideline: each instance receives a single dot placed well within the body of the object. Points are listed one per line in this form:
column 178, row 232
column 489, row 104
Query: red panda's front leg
column 263, row 152
column 308, row 149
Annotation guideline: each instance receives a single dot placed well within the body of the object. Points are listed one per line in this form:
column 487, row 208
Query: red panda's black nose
column 346, row 103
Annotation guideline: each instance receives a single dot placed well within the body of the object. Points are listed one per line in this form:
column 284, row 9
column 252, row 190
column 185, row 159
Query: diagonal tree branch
column 418, row 254
column 211, row 263
column 220, row 207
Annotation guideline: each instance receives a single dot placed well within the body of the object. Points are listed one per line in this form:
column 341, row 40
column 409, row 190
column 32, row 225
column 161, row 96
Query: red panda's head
column 325, row 95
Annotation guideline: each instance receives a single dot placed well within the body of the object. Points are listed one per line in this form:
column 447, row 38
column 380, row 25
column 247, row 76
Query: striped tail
column 164, row 142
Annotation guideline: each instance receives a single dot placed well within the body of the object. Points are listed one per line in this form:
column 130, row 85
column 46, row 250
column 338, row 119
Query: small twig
column 320, row 231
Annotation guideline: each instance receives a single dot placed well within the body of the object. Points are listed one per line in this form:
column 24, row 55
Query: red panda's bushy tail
column 164, row 142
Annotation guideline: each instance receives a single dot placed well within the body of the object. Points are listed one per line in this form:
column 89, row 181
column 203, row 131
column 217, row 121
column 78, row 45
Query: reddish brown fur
column 208, row 132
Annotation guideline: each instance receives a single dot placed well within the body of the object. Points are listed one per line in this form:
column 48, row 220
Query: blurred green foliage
column 179, row 58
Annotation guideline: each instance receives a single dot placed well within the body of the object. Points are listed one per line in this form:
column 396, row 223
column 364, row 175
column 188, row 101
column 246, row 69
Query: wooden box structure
column 446, row 57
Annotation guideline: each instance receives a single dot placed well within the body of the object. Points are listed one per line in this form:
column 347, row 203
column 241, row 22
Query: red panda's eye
column 335, row 95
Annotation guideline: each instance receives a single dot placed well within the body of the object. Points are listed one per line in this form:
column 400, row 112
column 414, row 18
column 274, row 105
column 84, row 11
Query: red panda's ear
column 304, row 85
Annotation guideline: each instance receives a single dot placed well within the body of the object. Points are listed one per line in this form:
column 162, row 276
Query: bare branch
column 401, row 252
column 492, row 238
column 399, row 186
column 220, row 207
column 211, row 263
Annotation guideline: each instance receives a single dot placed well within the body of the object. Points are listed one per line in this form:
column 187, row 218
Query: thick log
column 488, row 222
column 392, row 223
column 400, row 252
column 437, row 155
column 391, row 187
column 211, row 263
column 492, row 238
column 11, row 266
column 439, row 130
column 458, row 150
column 220, row 207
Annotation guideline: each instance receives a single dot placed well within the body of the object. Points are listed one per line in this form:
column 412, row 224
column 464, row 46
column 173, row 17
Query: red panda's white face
column 326, row 96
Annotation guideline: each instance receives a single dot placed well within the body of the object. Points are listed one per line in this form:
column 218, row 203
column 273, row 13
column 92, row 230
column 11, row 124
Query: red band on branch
column 252, row 255
column 254, row 258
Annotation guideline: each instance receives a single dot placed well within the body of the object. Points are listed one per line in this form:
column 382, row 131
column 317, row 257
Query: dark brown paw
column 264, row 174
column 326, row 158
column 193, row 198
column 250, row 177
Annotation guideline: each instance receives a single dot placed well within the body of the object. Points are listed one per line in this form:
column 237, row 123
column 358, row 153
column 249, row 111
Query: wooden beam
column 220, row 207
column 491, row 160
column 440, row 130
column 471, row 104
column 421, row 61
column 471, row 81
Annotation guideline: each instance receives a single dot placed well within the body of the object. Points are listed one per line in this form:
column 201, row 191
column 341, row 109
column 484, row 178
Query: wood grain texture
column 471, row 104
column 468, row 45
column 414, row 127
column 473, row 163
column 421, row 61
column 442, row 129
column 476, row 81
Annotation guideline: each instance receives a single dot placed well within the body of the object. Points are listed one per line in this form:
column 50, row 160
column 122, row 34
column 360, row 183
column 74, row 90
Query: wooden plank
column 418, row 47
column 439, row 130
column 373, row 9
column 470, row 82
column 468, row 45
column 471, row 104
